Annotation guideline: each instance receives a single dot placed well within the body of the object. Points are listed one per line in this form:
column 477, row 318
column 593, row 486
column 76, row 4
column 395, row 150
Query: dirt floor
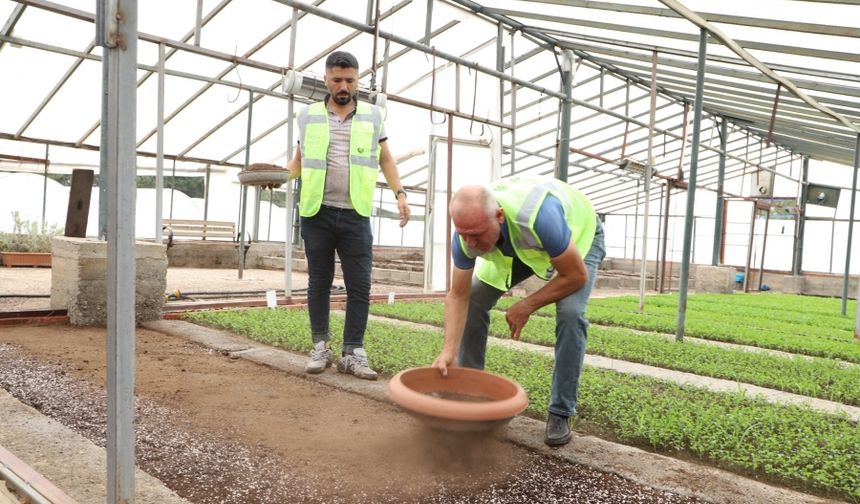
column 219, row 429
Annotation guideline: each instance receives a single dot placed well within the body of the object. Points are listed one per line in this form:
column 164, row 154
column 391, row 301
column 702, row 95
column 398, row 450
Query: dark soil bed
column 221, row 430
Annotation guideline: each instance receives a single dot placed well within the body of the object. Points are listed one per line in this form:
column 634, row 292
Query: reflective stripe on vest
column 521, row 200
column 364, row 133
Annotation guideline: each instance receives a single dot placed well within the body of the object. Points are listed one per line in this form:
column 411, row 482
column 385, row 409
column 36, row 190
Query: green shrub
column 28, row 236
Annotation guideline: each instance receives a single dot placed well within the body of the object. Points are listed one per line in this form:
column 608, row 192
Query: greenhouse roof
column 784, row 74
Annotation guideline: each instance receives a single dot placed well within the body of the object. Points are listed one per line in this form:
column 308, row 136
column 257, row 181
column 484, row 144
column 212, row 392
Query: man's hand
column 443, row 362
column 403, row 207
column 517, row 316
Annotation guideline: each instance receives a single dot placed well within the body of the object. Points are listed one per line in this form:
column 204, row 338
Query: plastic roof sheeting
column 54, row 96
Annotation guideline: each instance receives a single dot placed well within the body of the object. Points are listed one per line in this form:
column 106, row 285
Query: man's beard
column 342, row 99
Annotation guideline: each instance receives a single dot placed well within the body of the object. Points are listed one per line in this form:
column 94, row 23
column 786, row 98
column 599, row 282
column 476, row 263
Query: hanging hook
column 238, row 74
column 433, row 91
column 474, row 102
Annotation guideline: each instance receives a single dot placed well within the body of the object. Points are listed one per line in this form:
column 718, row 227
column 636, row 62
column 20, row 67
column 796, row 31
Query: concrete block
column 788, row 284
column 79, row 280
column 719, row 279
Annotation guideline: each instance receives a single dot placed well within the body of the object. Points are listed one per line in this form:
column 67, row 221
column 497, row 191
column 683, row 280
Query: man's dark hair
column 341, row 59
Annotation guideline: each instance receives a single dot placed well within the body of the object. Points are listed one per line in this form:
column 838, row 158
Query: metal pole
column 103, row 141
column 564, row 140
column 159, row 149
column 258, row 193
column 750, row 249
column 665, row 236
column 428, row 22
column 206, row 193
column 198, row 23
column 244, row 204
column 288, row 237
column 45, row 192
column 118, row 33
column 635, row 227
column 173, row 189
column 764, row 250
column 721, row 177
column 514, row 109
column 850, row 226
column 648, row 173
column 797, row 266
column 448, row 175
column 691, row 188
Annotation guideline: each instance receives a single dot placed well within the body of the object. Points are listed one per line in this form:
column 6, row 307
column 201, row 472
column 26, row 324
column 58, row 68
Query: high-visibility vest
column 521, row 200
column 363, row 156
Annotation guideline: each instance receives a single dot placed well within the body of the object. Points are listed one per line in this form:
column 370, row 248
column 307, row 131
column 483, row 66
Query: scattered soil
column 217, row 429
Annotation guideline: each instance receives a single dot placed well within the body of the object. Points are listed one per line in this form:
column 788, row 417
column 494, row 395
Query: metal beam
column 11, row 21
column 843, row 31
column 615, row 28
column 416, row 45
column 705, row 23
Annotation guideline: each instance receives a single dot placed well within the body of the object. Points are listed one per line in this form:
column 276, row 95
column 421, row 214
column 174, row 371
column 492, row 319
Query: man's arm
column 389, row 169
column 456, row 309
column 571, row 276
column 294, row 165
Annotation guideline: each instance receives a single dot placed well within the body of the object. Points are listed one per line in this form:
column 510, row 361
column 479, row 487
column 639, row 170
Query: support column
column 721, row 177
column 797, row 263
column 116, row 31
column 850, row 225
column 159, row 149
column 643, row 265
column 564, row 140
column 691, row 188
column 243, row 204
column 291, row 146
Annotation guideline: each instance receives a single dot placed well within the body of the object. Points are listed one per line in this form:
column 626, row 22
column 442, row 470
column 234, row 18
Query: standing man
column 520, row 228
column 341, row 149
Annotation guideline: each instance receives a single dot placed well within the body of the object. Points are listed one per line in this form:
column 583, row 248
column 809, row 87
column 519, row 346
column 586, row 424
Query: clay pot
column 467, row 399
column 264, row 178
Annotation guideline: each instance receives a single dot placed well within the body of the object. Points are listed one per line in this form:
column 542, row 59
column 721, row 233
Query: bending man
column 520, row 228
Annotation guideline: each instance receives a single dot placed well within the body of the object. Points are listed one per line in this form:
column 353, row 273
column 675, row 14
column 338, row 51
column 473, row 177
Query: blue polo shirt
column 550, row 226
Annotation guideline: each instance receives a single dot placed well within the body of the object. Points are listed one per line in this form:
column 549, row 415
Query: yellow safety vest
column 363, row 156
column 521, row 199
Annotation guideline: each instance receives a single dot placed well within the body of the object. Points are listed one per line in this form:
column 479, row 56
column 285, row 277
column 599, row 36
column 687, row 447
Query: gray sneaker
column 357, row 364
column 321, row 358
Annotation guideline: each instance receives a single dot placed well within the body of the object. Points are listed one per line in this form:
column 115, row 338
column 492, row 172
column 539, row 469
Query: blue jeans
column 349, row 234
column 571, row 328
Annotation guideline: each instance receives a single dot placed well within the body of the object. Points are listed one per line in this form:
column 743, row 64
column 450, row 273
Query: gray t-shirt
column 337, row 160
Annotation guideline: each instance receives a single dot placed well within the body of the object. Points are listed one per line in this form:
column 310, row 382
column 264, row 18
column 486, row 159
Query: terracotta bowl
column 264, row 178
column 465, row 400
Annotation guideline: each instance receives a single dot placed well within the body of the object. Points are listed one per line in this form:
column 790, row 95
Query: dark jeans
column 571, row 328
column 349, row 234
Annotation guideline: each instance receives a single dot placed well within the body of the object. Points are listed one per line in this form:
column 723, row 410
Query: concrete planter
column 26, row 259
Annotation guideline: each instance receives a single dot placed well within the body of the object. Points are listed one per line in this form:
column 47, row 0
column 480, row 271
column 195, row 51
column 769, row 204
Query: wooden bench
column 203, row 229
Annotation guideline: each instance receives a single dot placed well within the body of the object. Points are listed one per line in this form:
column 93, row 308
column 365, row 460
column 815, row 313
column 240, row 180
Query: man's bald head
column 472, row 200
column 476, row 217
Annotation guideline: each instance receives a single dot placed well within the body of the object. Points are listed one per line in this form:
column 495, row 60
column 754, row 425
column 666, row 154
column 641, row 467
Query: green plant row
column 816, row 377
column 701, row 327
column 792, row 444
column 763, row 319
column 731, row 311
column 602, row 311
